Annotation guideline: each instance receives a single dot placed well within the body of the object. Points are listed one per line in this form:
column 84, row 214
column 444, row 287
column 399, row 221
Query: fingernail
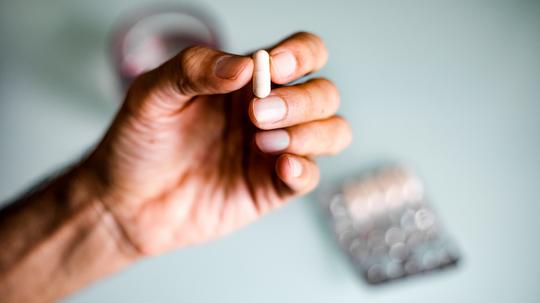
column 273, row 140
column 284, row 63
column 295, row 167
column 228, row 67
column 270, row 109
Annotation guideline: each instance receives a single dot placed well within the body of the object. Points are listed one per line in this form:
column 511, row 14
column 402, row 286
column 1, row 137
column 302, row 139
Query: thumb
column 195, row 71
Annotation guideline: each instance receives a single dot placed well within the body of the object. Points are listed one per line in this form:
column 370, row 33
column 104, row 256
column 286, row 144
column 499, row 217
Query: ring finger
column 286, row 106
column 323, row 137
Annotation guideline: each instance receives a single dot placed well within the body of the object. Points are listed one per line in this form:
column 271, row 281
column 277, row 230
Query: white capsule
column 261, row 74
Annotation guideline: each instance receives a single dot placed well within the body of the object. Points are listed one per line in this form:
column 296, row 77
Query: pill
column 261, row 74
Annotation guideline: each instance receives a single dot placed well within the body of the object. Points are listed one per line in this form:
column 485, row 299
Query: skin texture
column 179, row 163
column 185, row 161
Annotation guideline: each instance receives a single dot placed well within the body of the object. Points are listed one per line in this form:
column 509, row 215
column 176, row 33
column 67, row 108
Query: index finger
column 296, row 56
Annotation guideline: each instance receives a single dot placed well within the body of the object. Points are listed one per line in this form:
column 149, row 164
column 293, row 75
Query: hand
column 193, row 155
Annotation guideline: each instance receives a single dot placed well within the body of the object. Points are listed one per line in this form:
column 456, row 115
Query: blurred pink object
column 143, row 40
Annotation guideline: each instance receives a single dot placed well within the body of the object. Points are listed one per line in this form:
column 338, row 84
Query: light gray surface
column 450, row 87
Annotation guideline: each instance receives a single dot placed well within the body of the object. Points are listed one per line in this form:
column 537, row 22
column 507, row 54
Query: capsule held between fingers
column 261, row 74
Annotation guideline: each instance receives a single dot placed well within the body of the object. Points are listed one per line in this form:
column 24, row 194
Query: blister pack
column 385, row 224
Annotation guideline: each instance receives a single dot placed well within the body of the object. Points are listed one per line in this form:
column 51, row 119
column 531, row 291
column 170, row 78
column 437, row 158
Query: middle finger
column 313, row 100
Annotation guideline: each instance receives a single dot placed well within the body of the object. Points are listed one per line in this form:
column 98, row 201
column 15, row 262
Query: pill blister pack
column 384, row 223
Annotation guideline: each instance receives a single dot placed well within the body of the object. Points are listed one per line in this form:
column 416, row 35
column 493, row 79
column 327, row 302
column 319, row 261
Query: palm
column 235, row 182
column 201, row 173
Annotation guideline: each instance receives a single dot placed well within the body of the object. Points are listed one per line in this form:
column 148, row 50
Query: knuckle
column 298, row 136
column 323, row 98
column 318, row 53
column 316, row 46
column 330, row 92
column 329, row 138
column 188, row 54
column 331, row 135
column 344, row 133
column 342, row 122
column 316, row 137
column 308, row 37
column 140, row 90
column 304, row 106
column 140, row 84
column 315, row 177
column 187, row 62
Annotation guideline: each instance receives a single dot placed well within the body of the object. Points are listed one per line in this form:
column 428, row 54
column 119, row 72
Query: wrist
column 57, row 240
column 84, row 190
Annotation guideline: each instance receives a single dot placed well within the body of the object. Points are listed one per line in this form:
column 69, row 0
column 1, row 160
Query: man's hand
column 193, row 155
